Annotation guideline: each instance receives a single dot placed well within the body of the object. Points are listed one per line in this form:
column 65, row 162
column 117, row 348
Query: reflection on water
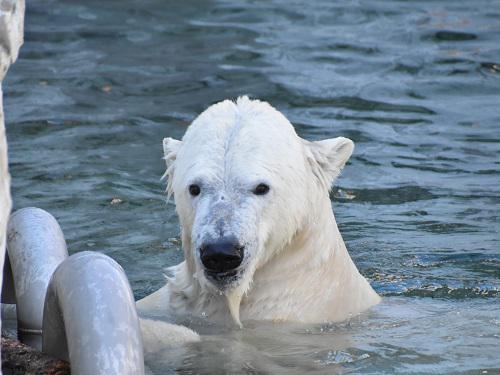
column 415, row 85
column 395, row 337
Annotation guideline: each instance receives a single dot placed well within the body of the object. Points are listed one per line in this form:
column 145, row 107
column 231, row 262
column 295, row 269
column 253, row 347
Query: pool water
column 416, row 85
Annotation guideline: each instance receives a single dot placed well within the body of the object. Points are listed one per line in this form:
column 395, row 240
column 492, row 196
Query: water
column 416, row 85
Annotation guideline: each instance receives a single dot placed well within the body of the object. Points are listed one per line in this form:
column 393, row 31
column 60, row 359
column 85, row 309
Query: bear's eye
column 261, row 189
column 194, row 190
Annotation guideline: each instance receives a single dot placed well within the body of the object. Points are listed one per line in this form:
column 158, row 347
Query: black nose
column 222, row 255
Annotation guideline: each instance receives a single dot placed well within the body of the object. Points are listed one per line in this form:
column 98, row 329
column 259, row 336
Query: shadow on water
column 415, row 85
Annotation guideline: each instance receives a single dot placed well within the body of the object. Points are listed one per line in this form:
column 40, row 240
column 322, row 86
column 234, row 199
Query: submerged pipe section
column 35, row 247
column 90, row 317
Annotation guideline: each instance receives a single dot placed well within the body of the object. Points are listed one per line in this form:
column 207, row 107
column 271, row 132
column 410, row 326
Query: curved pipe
column 35, row 247
column 90, row 317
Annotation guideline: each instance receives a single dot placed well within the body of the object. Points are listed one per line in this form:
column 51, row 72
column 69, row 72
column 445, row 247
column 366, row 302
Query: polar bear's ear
column 170, row 148
column 330, row 156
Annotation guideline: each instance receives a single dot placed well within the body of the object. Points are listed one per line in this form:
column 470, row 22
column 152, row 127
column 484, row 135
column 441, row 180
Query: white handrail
column 35, row 247
column 79, row 308
column 90, row 317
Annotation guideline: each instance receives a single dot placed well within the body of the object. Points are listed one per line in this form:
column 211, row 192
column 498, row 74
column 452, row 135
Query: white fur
column 158, row 335
column 296, row 266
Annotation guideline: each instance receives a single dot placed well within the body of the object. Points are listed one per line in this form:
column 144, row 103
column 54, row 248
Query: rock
column 19, row 359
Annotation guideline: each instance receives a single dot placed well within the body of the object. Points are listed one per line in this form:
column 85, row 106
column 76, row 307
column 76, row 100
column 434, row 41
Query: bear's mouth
column 222, row 279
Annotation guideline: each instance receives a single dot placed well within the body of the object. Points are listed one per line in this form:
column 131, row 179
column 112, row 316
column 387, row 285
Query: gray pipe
column 90, row 317
column 35, row 247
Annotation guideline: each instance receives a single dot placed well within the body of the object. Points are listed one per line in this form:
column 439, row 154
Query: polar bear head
column 244, row 185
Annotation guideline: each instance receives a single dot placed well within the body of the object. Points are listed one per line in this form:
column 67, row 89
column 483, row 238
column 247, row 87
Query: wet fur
column 297, row 267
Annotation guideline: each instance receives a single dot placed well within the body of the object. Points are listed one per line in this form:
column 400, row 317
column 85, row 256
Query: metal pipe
column 35, row 247
column 90, row 317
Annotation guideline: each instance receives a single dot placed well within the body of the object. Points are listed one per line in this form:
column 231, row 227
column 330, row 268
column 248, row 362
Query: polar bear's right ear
column 330, row 156
column 170, row 148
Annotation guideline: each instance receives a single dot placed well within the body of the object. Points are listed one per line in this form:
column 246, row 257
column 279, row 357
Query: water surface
column 415, row 84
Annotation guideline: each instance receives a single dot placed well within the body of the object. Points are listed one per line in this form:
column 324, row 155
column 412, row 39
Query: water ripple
column 416, row 86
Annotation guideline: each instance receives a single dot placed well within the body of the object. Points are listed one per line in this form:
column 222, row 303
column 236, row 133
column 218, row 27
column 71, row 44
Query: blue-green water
column 415, row 84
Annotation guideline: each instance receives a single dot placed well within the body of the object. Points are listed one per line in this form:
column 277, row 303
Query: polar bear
column 258, row 232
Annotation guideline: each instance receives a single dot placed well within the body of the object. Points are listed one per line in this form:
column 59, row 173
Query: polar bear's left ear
column 330, row 156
